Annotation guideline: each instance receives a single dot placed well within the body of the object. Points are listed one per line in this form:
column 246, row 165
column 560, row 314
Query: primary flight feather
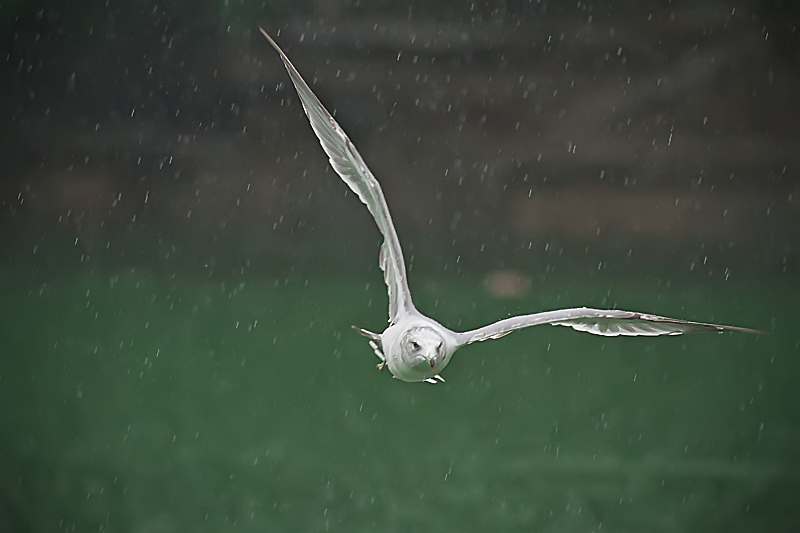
column 415, row 347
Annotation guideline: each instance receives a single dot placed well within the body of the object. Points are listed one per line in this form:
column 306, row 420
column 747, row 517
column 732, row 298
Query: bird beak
column 431, row 360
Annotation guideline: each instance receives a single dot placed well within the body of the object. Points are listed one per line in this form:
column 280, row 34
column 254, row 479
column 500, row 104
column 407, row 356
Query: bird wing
column 606, row 322
column 347, row 162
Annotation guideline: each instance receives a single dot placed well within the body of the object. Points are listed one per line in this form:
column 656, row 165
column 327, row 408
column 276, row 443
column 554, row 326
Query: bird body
column 418, row 348
column 415, row 347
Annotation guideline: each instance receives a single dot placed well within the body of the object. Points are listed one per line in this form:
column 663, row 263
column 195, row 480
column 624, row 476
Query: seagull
column 417, row 348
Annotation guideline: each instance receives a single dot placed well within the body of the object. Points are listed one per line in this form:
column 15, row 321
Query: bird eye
column 414, row 346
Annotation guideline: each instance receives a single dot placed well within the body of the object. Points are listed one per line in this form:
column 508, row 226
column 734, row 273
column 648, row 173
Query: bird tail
column 368, row 334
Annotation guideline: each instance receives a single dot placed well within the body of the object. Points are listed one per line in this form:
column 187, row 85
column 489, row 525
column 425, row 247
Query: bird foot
column 382, row 365
column 435, row 379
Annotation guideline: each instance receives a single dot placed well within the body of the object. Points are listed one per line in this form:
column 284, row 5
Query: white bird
column 415, row 347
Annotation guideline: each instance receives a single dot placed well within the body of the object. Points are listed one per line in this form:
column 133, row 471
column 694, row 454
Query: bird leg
column 382, row 364
column 375, row 344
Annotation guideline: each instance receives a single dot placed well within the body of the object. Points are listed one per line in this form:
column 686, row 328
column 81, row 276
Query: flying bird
column 417, row 348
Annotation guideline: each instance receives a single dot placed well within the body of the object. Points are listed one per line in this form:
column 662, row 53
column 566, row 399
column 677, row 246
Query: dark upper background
column 648, row 136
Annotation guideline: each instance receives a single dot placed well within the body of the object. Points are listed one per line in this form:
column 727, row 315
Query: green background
column 180, row 268
column 150, row 404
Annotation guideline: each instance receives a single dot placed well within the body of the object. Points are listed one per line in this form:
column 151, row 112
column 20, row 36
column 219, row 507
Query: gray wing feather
column 606, row 322
column 347, row 162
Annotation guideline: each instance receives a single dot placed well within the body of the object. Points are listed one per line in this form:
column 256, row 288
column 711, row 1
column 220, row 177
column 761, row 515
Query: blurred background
column 179, row 267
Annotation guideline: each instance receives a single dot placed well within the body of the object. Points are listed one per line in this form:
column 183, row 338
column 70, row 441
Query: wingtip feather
column 271, row 41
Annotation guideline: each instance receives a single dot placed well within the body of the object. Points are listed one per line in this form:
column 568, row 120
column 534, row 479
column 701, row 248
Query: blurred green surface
column 135, row 402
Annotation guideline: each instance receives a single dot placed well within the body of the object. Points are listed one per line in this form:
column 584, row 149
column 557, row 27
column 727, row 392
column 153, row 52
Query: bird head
column 424, row 349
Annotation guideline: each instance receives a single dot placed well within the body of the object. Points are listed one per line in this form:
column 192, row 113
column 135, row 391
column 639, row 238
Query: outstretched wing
column 606, row 322
column 347, row 162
